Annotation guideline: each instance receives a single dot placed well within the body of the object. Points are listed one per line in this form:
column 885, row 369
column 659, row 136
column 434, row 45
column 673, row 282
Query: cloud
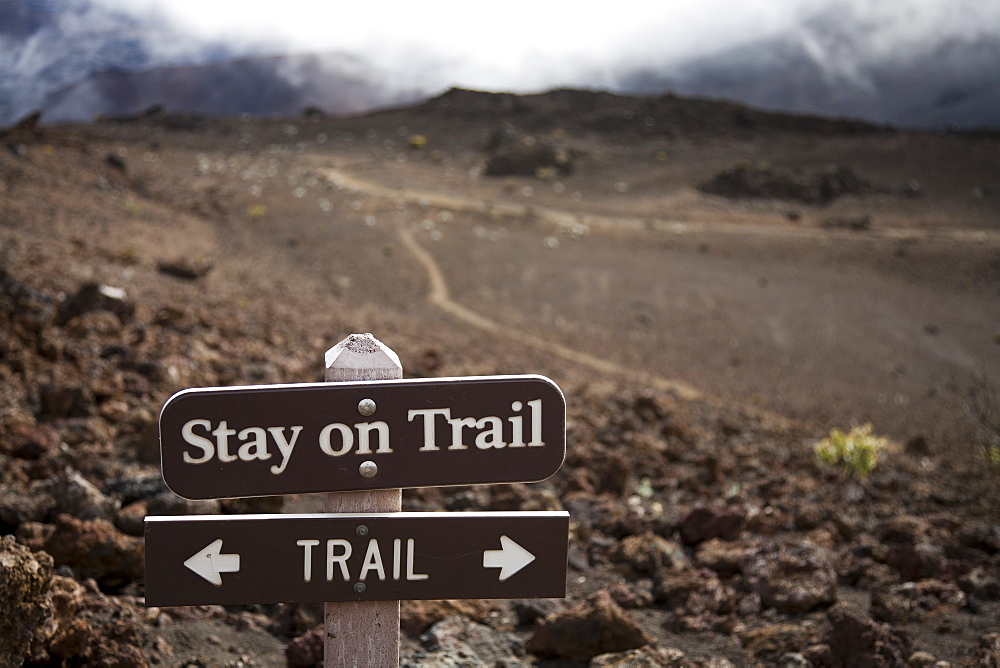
column 519, row 44
column 529, row 45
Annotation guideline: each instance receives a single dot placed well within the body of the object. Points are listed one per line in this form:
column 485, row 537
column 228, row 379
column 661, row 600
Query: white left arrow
column 510, row 558
column 210, row 564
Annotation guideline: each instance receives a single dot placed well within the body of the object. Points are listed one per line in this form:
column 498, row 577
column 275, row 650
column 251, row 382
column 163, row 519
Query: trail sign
column 243, row 559
column 331, row 437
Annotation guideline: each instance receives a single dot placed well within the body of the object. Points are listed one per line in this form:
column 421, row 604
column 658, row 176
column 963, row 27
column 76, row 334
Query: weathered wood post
column 362, row 633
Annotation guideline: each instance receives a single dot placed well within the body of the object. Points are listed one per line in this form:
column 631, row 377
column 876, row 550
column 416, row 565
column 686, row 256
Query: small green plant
column 983, row 406
column 855, row 452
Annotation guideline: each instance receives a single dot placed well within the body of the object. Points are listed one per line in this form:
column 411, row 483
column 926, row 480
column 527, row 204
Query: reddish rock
column 904, row 529
column 914, row 601
column 987, row 652
column 695, row 593
column 721, row 556
column 773, row 641
column 30, row 442
column 644, row 657
column 650, row 553
column 416, row 616
column 24, row 579
column 793, row 578
column 631, row 595
column 96, row 549
column 118, row 644
column 530, row 610
column 855, row 640
column 703, row 524
column 598, row 625
column 63, row 634
column 306, row 651
column 916, row 562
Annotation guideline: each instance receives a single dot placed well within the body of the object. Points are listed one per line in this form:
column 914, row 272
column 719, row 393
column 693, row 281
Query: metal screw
column 362, row 530
column 366, row 407
column 359, row 587
column 368, row 469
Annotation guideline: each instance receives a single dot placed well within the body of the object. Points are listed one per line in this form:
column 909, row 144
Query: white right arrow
column 209, row 564
column 510, row 558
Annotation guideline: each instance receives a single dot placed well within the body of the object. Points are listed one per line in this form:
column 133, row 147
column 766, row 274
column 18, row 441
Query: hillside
column 713, row 287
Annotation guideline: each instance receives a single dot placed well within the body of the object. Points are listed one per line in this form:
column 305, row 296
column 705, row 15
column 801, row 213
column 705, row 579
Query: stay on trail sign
column 332, row 437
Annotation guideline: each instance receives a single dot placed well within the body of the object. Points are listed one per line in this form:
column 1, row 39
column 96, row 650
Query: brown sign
column 243, row 559
column 330, row 437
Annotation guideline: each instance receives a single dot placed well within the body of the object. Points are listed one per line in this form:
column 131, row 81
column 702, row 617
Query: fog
column 522, row 46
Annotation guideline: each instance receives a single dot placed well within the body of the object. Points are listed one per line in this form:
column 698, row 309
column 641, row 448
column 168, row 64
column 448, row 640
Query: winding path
column 439, row 296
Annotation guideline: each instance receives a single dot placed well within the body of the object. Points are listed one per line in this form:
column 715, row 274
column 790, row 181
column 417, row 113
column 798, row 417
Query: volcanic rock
column 16, row 507
column 63, row 633
column 703, row 524
column 416, row 616
column 983, row 537
column 24, row 579
column 649, row 553
column 24, row 306
column 916, row 562
column 306, row 651
column 855, row 640
column 530, row 610
column 595, row 626
column 914, row 601
column 987, row 652
column 96, row 297
column 723, row 557
column 644, row 657
column 96, row 549
column 977, row 584
column 773, row 641
column 528, row 156
column 134, row 488
column 67, row 401
column 473, row 641
column 30, row 442
column 695, row 598
column 793, row 578
column 75, row 495
column 763, row 180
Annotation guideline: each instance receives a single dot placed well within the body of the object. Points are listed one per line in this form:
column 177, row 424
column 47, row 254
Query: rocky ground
column 146, row 255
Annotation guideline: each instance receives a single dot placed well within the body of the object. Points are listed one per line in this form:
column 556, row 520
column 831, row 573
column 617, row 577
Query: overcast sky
column 528, row 44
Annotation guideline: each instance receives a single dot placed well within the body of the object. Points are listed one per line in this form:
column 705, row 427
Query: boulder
column 306, row 651
column 96, row 297
column 644, row 657
column 96, row 549
column 915, row 601
column 24, row 582
column 416, row 616
column 649, row 553
column 856, row 640
column 77, row 496
column 793, row 578
column 597, row 625
column 471, row 640
column 703, row 524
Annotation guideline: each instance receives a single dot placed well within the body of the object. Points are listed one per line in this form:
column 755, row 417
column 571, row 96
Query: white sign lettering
column 209, row 440
column 339, row 552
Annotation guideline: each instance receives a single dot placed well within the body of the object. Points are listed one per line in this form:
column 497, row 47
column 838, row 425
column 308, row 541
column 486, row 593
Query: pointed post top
column 362, row 357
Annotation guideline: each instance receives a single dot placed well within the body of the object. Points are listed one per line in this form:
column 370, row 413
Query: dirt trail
column 562, row 219
column 439, row 296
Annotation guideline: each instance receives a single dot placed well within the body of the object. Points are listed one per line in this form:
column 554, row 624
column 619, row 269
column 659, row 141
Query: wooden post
column 362, row 633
